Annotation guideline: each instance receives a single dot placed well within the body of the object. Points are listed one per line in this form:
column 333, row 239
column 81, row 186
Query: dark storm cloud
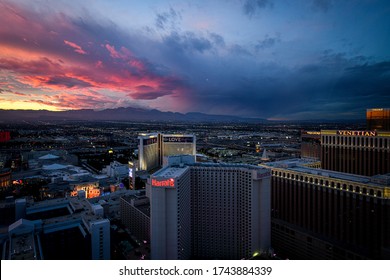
column 324, row 89
column 368, row 82
column 251, row 7
column 149, row 93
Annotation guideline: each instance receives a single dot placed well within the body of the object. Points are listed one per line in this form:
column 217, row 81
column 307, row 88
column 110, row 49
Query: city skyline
column 255, row 58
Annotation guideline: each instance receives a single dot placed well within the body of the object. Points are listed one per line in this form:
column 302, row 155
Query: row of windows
column 357, row 141
column 331, row 184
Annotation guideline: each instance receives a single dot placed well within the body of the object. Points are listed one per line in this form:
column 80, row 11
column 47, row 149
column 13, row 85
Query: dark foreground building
column 320, row 214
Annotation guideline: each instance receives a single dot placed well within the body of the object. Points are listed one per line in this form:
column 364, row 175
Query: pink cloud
column 65, row 100
column 112, row 51
column 99, row 64
column 76, row 47
column 34, row 51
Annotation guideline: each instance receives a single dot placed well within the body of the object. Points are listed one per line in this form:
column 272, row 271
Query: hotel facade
column 358, row 152
column 209, row 211
column 152, row 148
column 321, row 214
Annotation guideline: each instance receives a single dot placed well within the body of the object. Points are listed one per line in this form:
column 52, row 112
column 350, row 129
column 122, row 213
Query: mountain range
column 118, row 114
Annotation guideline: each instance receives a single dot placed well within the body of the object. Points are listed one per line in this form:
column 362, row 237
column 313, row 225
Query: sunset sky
column 274, row 59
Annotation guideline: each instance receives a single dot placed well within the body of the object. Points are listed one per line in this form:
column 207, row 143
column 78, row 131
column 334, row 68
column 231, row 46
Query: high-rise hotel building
column 322, row 214
column 358, row 152
column 209, row 211
column 154, row 147
column 341, row 211
column 149, row 151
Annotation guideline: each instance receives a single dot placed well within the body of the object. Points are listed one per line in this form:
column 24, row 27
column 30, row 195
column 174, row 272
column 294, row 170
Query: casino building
column 149, row 151
column 322, row 214
column 357, row 152
column 209, row 210
column 341, row 211
column 154, row 147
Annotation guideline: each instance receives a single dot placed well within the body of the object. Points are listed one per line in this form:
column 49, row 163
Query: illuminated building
column 5, row 178
column 209, row 210
column 177, row 144
column 311, row 145
column 258, row 148
column 322, row 214
column 358, row 152
column 154, row 147
column 149, row 151
column 378, row 119
column 91, row 189
column 132, row 170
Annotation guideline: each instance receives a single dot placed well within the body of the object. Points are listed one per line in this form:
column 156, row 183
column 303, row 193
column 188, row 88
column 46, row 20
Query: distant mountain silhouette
column 118, row 114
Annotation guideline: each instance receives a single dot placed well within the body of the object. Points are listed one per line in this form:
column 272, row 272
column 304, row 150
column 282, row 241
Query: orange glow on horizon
column 26, row 105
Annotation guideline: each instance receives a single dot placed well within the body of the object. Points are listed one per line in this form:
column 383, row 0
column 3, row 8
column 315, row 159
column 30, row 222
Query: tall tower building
column 153, row 148
column 378, row 119
column 149, row 151
column 175, row 144
column 209, row 211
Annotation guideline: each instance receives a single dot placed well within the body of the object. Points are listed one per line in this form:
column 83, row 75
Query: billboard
column 178, row 139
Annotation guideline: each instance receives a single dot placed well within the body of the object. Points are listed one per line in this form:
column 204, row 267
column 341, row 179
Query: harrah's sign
column 356, row 133
column 263, row 174
column 163, row 183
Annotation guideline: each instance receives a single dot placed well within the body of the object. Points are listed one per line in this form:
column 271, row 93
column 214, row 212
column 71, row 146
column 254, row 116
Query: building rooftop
column 289, row 162
column 49, row 156
column 171, row 172
column 298, row 165
column 22, row 241
column 23, row 247
column 147, row 135
column 227, row 165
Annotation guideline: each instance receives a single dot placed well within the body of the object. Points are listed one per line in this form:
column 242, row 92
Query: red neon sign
column 163, row 183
